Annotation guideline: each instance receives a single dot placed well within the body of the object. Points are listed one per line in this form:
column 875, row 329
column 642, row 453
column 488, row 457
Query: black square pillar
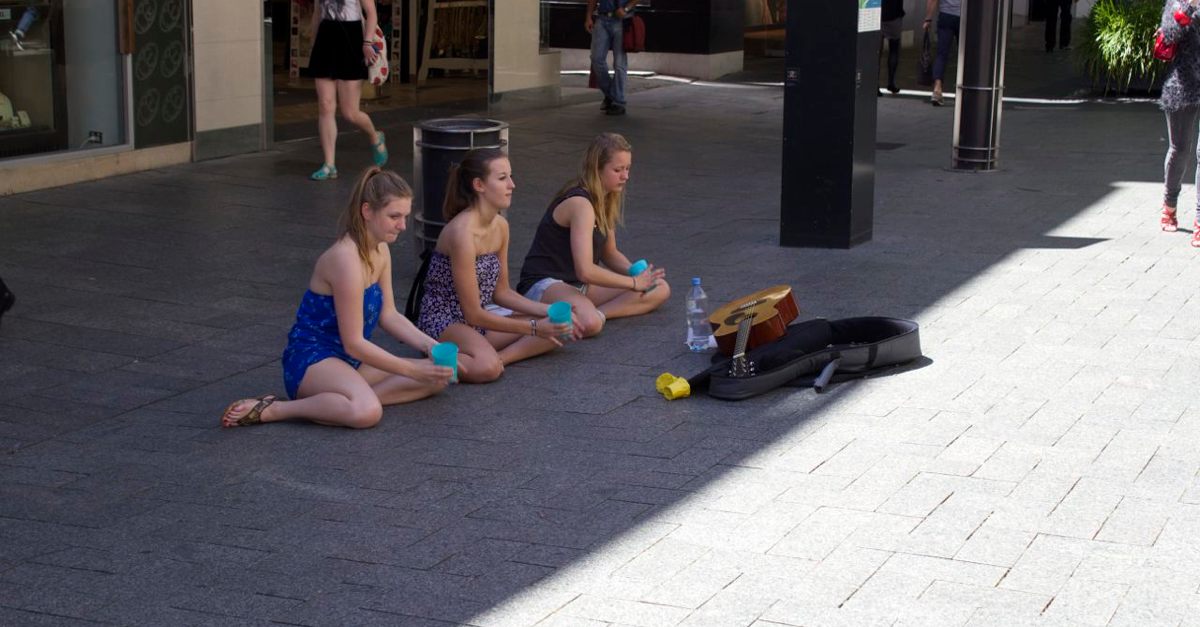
column 830, row 90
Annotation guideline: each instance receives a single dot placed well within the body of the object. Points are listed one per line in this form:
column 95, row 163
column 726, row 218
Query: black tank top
column 550, row 253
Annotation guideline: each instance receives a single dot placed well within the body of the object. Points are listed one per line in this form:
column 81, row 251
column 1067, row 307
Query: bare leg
column 477, row 356
column 349, row 95
column 515, row 347
column 394, row 389
column 618, row 303
column 326, row 123
column 331, row 393
column 591, row 321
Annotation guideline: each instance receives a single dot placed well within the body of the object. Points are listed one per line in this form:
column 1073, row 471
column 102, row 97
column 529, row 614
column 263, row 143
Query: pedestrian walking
column 892, row 20
column 948, row 14
column 574, row 255
column 467, row 297
column 340, row 55
column 1181, row 103
column 1058, row 21
column 333, row 373
column 605, row 22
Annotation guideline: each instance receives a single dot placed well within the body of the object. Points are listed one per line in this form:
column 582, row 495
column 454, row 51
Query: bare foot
column 247, row 411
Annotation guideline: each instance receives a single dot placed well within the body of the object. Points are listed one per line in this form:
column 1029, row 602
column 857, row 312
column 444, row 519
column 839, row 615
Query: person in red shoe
column 1181, row 103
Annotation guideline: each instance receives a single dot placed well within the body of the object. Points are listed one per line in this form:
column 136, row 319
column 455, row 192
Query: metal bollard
column 980, row 91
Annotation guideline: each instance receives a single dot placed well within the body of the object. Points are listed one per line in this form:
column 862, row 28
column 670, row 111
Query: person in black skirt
column 339, row 60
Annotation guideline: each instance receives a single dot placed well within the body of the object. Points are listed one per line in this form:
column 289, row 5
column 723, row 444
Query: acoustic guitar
column 768, row 311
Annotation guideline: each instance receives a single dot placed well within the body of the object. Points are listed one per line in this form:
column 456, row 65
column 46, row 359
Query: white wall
column 517, row 61
column 227, row 43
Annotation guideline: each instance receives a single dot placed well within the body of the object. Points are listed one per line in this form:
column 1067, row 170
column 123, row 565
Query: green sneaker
column 379, row 151
column 324, row 173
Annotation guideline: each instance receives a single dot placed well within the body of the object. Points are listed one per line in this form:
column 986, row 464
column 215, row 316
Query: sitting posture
column 574, row 255
column 332, row 371
column 467, row 299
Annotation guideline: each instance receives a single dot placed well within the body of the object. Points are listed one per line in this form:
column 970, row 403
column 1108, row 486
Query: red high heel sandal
column 1168, row 222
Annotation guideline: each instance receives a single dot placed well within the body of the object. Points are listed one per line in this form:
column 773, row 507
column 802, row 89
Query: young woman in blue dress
column 467, row 297
column 333, row 373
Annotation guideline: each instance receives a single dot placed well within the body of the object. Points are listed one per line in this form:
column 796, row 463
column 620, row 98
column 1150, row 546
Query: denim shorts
column 537, row 290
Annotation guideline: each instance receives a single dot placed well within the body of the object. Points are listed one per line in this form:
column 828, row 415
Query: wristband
column 533, row 327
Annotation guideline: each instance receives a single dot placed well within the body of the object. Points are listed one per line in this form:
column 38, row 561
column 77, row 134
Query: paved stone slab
column 1040, row 470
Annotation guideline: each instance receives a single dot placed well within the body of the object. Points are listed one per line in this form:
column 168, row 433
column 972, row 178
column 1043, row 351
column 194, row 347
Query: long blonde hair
column 607, row 206
column 376, row 187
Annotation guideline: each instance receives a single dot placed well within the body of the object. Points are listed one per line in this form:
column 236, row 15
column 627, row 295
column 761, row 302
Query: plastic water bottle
column 699, row 332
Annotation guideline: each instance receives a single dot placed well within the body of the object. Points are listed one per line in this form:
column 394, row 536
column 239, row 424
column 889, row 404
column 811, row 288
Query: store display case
column 33, row 110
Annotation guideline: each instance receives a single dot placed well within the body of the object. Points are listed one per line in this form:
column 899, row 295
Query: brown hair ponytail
column 376, row 188
column 460, row 190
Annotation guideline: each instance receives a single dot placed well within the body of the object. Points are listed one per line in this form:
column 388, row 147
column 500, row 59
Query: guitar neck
column 743, row 335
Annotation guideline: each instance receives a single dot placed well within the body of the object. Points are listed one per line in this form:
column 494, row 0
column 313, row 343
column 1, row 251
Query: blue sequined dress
column 315, row 335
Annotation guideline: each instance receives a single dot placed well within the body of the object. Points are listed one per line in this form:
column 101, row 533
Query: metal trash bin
column 437, row 145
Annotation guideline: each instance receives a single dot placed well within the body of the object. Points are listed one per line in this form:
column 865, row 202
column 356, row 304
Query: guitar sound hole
column 735, row 319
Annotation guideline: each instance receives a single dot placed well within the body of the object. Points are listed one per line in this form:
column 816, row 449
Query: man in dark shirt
column 604, row 22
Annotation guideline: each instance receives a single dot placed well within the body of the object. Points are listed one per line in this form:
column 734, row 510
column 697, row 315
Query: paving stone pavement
column 1042, row 470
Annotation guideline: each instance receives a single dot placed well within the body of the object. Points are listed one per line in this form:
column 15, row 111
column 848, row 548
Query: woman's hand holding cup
column 562, row 319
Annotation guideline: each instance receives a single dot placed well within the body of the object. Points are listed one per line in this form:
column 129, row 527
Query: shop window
column 61, row 77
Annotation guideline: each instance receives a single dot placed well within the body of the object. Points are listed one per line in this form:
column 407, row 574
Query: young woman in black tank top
column 574, row 255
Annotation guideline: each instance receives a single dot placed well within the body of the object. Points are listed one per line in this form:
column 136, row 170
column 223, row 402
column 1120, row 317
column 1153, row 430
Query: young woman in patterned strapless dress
column 467, row 297
column 333, row 373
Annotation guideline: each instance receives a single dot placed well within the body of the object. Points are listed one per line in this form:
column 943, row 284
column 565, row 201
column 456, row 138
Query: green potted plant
column 1117, row 44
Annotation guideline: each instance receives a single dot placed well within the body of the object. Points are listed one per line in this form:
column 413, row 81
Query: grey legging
column 1181, row 135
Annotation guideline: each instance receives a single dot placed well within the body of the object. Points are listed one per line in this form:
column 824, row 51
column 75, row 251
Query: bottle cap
column 695, row 280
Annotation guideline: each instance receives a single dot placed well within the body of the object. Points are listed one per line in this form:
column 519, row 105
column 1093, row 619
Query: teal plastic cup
column 446, row 354
column 560, row 312
column 639, row 267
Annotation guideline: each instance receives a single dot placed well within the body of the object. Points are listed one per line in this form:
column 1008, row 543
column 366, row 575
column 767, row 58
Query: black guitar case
column 816, row 353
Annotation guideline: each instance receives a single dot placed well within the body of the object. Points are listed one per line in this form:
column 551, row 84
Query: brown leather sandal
column 254, row 416
column 1168, row 221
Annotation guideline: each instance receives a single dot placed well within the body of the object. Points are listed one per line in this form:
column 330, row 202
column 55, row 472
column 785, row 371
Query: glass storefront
column 62, row 78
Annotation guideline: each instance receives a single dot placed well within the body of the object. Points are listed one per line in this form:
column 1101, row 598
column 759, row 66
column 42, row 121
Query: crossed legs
column 484, row 356
column 602, row 303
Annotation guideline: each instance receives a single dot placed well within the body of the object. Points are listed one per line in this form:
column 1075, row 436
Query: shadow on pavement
column 148, row 302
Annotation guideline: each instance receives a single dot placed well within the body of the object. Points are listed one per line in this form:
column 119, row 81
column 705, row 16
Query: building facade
column 95, row 88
